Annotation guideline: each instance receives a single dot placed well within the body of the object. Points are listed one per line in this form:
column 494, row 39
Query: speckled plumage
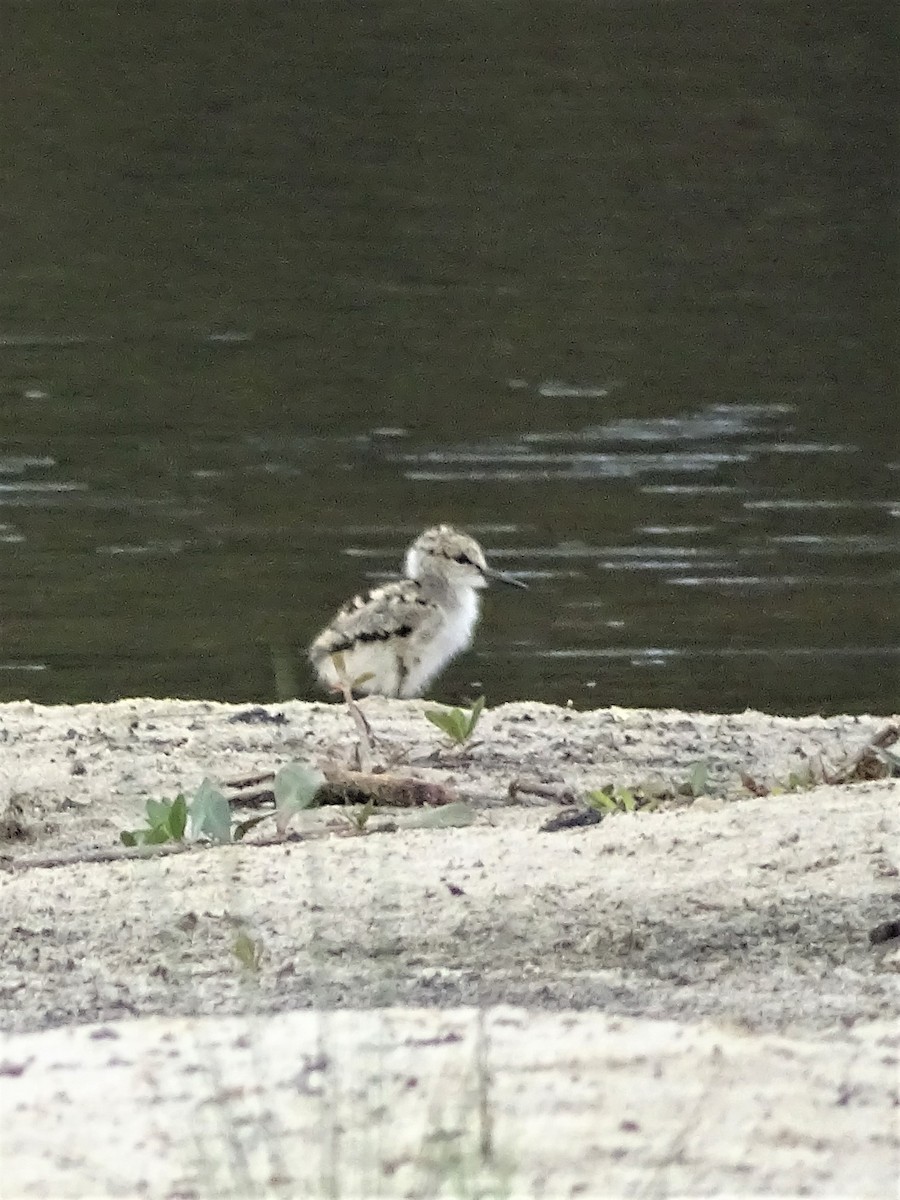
column 402, row 634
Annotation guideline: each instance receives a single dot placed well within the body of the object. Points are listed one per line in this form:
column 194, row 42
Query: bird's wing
column 392, row 611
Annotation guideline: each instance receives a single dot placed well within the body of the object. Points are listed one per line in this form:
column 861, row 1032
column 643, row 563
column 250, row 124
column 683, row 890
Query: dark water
column 612, row 285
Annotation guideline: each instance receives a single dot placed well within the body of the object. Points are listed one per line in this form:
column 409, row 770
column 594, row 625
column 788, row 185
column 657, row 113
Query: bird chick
column 395, row 639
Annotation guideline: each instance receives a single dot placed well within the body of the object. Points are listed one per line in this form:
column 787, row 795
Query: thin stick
column 113, row 854
column 130, row 853
column 535, row 787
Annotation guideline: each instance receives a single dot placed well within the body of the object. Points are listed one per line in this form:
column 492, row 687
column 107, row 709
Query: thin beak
column 502, row 577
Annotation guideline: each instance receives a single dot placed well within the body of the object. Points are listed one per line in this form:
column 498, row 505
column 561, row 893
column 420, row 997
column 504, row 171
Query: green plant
column 799, row 781
column 358, row 815
column 210, row 814
column 445, row 816
column 249, row 952
column 166, row 822
column 697, row 781
column 458, row 724
column 207, row 815
column 808, row 776
column 612, row 798
column 295, row 787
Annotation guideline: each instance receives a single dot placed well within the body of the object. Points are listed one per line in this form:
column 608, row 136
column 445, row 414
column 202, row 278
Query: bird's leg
column 366, row 748
column 366, row 745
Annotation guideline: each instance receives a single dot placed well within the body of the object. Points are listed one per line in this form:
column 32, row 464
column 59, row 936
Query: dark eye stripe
column 464, row 558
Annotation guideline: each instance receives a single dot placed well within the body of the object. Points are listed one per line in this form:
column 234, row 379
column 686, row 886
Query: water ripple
column 835, row 543
column 17, row 464
column 671, row 652
column 789, row 505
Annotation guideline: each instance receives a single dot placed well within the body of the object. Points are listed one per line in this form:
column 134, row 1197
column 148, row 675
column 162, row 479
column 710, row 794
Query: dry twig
column 345, row 787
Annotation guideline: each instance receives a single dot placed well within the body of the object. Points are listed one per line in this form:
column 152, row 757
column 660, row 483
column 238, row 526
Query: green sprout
column 697, row 781
column 358, row 815
column 166, row 822
column 612, row 798
column 295, row 787
column 249, row 952
column 458, row 724
column 210, row 814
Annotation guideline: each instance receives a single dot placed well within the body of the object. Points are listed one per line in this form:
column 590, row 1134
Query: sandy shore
column 677, row 1002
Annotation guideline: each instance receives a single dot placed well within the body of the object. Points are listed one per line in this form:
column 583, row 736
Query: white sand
column 700, row 1012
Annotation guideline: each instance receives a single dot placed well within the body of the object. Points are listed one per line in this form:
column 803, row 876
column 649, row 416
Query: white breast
column 451, row 636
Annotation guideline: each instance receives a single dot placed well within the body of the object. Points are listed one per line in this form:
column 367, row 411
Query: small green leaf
column 698, row 778
column 177, row 819
column 601, row 800
column 295, row 787
column 158, row 812
column 435, row 717
column 155, row 836
column 210, row 813
column 455, row 722
column 626, row 800
column 456, row 725
column 248, row 952
column 440, row 719
column 447, row 816
column 128, row 838
column 613, row 799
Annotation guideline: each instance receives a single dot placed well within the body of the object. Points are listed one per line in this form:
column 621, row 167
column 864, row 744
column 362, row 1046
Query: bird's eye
column 463, row 558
